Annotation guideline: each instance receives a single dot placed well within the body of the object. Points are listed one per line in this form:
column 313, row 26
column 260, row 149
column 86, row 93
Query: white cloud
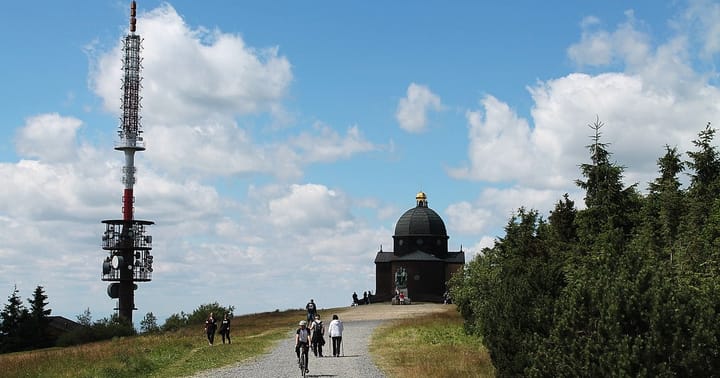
column 505, row 148
column 625, row 45
column 658, row 99
column 196, row 84
column 195, row 75
column 326, row 145
column 309, row 206
column 701, row 22
column 412, row 110
column 49, row 137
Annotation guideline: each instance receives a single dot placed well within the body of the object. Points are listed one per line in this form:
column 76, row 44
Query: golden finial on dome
column 421, row 199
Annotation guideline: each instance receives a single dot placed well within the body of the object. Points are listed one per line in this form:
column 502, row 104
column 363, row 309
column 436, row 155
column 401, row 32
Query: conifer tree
column 13, row 315
column 38, row 321
column 611, row 209
column 700, row 226
column 664, row 205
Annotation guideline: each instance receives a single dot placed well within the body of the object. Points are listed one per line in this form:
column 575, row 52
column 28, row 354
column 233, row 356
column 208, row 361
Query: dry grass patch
column 171, row 354
column 432, row 345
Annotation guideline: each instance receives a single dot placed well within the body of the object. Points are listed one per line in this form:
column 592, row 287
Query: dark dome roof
column 420, row 220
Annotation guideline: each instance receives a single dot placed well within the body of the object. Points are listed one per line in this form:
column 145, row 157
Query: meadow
column 403, row 347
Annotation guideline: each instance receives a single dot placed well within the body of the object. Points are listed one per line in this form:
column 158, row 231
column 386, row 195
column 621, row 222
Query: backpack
column 318, row 326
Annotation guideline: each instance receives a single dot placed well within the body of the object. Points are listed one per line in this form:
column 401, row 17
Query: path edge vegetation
column 432, row 345
column 184, row 351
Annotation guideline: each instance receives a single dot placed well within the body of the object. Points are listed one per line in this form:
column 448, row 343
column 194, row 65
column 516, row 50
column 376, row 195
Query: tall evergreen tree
column 704, row 162
column 610, row 206
column 38, row 321
column 700, row 229
column 13, row 315
column 664, row 205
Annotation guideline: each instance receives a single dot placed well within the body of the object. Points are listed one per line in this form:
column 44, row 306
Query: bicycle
column 303, row 359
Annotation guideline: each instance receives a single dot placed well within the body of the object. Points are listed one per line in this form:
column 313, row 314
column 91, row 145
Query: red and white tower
column 129, row 259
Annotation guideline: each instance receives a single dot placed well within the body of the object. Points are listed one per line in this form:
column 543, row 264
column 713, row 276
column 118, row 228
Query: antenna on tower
column 133, row 13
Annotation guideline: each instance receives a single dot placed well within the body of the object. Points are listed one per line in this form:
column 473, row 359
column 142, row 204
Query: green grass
column 171, row 354
column 430, row 346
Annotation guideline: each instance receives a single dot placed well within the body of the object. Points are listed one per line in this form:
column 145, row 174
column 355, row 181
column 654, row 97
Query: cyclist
column 302, row 339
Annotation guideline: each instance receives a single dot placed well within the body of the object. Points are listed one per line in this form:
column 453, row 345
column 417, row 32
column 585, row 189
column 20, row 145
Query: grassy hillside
column 170, row 354
column 402, row 348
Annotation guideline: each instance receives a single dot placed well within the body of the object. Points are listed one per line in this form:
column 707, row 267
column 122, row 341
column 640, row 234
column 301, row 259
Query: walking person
column 210, row 327
column 318, row 338
column 311, row 310
column 225, row 328
column 335, row 329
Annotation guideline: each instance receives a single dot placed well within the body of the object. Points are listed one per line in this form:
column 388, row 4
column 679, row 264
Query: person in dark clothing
column 318, row 336
column 225, row 328
column 311, row 310
column 210, row 327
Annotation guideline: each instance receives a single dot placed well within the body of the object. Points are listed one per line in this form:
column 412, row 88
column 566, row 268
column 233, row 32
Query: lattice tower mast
column 129, row 247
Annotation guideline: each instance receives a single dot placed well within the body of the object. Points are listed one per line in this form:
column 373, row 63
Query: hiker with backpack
column 311, row 311
column 318, row 336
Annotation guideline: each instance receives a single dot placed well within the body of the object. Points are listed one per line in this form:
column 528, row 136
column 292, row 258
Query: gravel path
column 282, row 362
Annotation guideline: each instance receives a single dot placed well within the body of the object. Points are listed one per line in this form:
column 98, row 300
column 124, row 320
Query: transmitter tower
column 126, row 240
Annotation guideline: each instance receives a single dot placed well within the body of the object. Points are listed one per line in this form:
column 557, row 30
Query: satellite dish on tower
column 117, row 262
column 113, row 290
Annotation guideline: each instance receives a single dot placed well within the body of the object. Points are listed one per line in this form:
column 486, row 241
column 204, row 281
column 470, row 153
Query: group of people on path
column 366, row 298
column 309, row 335
column 312, row 336
column 211, row 327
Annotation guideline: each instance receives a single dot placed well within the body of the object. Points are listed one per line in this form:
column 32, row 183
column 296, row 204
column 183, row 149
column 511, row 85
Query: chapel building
column 420, row 256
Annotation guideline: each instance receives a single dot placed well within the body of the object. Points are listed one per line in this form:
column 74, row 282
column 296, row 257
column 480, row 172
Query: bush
column 198, row 316
column 103, row 329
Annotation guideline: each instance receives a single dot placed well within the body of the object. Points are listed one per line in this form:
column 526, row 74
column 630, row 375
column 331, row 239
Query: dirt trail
column 355, row 362
column 386, row 311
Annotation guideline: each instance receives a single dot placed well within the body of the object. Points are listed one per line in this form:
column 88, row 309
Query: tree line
column 27, row 328
column 627, row 286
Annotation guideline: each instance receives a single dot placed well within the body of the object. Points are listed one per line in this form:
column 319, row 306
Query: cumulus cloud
column 192, row 75
column 412, row 110
column 701, row 22
column 324, row 144
column 198, row 84
column 307, row 206
column 657, row 96
column 625, row 45
column 48, row 137
column 670, row 103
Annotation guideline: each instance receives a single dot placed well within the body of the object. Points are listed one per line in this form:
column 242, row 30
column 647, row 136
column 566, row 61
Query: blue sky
column 284, row 139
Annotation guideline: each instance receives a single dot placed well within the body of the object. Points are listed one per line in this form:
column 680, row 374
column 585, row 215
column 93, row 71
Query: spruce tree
column 38, row 321
column 13, row 315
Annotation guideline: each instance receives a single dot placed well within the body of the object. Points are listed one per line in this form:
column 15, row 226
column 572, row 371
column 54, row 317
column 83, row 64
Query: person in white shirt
column 335, row 329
